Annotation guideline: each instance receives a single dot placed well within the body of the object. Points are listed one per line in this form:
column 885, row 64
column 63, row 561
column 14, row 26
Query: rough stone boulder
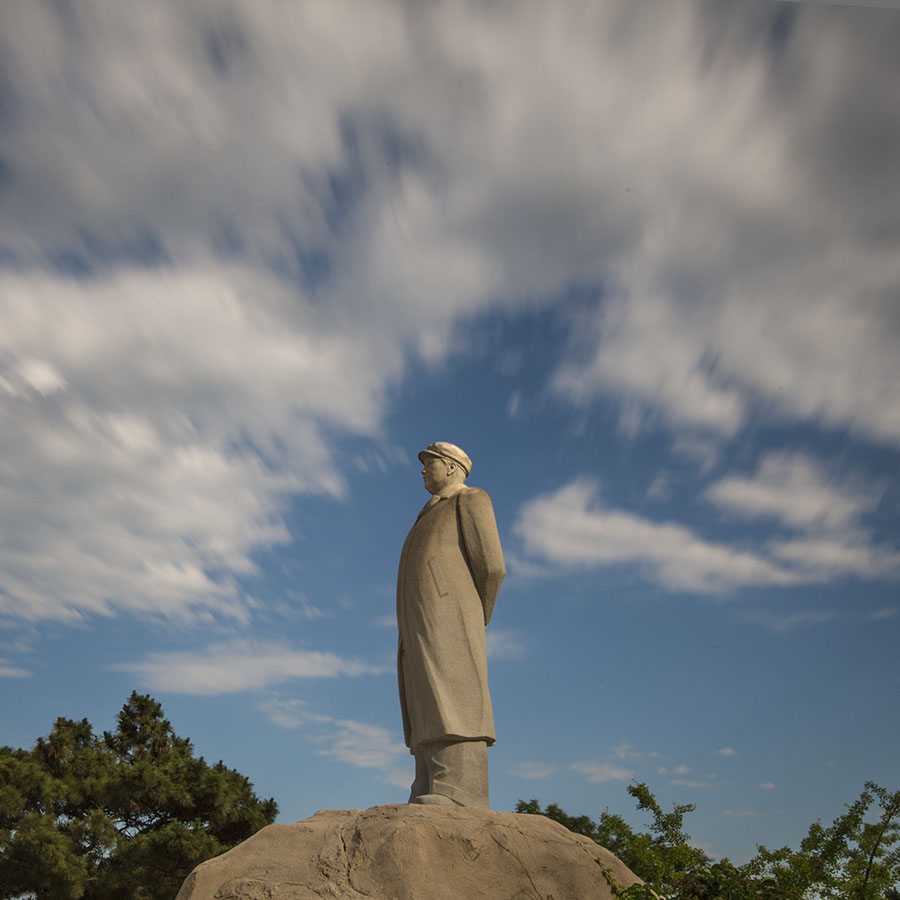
column 402, row 852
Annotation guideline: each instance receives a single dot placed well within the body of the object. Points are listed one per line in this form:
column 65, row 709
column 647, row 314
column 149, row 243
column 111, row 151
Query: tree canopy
column 125, row 815
column 857, row 857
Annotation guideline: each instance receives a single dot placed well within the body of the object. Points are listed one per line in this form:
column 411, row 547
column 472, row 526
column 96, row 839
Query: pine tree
column 124, row 816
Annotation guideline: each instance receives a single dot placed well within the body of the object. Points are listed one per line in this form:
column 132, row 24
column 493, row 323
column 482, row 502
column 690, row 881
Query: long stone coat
column 451, row 567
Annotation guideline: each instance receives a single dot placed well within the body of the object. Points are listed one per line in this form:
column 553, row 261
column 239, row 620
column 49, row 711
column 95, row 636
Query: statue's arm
column 478, row 529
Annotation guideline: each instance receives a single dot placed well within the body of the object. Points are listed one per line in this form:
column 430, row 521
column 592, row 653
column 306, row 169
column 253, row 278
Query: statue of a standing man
column 450, row 572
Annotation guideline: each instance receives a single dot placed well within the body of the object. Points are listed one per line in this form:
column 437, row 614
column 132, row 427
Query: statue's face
column 437, row 474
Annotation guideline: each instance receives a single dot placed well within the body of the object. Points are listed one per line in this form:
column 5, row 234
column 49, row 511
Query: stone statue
column 451, row 567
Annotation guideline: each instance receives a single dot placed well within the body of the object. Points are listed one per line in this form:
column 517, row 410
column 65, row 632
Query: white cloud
column 768, row 786
column 627, row 751
column 532, row 770
column 363, row 745
column 505, row 644
column 828, row 557
column 601, row 771
column 682, row 782
column 647, row 354
column 422, row 153
column 726, row 751
column 750, row 288
column 190, row 404
column 878, row 615
column 660, row 488
column 794, row 489
column 783, row 622
column 682, row 770
column 412, row 168
column 285, row 713
column 239, row 665
column 358, row 744
column 10, row 671
column 40, row 376
column 572, row 527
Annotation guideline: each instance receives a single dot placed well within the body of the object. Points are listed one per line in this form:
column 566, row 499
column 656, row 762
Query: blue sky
column 639, row 260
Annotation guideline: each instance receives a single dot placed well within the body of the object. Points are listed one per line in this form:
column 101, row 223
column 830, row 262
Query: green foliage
column 856, row 858
column 853, row 859
column 662, row 856
column 124, row 816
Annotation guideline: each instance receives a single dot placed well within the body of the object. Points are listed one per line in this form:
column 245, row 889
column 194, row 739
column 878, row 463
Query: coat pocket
column 438, row 576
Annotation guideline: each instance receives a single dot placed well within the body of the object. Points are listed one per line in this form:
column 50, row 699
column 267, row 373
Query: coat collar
column 448, row 492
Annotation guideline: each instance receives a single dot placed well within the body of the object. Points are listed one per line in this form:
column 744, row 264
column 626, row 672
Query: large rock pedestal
column 402, row 852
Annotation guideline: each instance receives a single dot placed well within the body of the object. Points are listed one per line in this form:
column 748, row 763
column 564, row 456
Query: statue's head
column 444, row 464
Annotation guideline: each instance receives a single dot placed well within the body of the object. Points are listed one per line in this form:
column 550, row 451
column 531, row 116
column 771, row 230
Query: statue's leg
column 421, row 785
column 457, row 773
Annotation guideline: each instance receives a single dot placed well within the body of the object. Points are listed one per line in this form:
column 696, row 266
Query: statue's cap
column 448, row 451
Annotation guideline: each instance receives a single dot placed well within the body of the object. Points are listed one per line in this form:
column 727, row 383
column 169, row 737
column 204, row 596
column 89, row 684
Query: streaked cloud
column 532, row 770
column 363, row 745
column 879, row 615
column 793, row 489
column 240, row 665
column 822, row 558
column 505, row 644
column 627, row 751
column 359, row 744
column 285, row 713
column 726, row 751
column 12, row 671
column 826, row 515
column 256, row 237
column 572, row 527
column 677, row 770
column 602, row 771
column 783, row 622
column 149, row 490
column 684, row 782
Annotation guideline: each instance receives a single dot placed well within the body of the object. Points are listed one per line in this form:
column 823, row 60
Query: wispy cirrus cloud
column 628, row 751
column 256, row 217
column 597, row 771
column 240, row 665
column 572, row 527
column 794, row 489
column 148, row 491
column 12, row 671
column 825, row 515
column 505, row 644
column 358, row 744
column 686, row 782
column 532, row 770
column 782, row 622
